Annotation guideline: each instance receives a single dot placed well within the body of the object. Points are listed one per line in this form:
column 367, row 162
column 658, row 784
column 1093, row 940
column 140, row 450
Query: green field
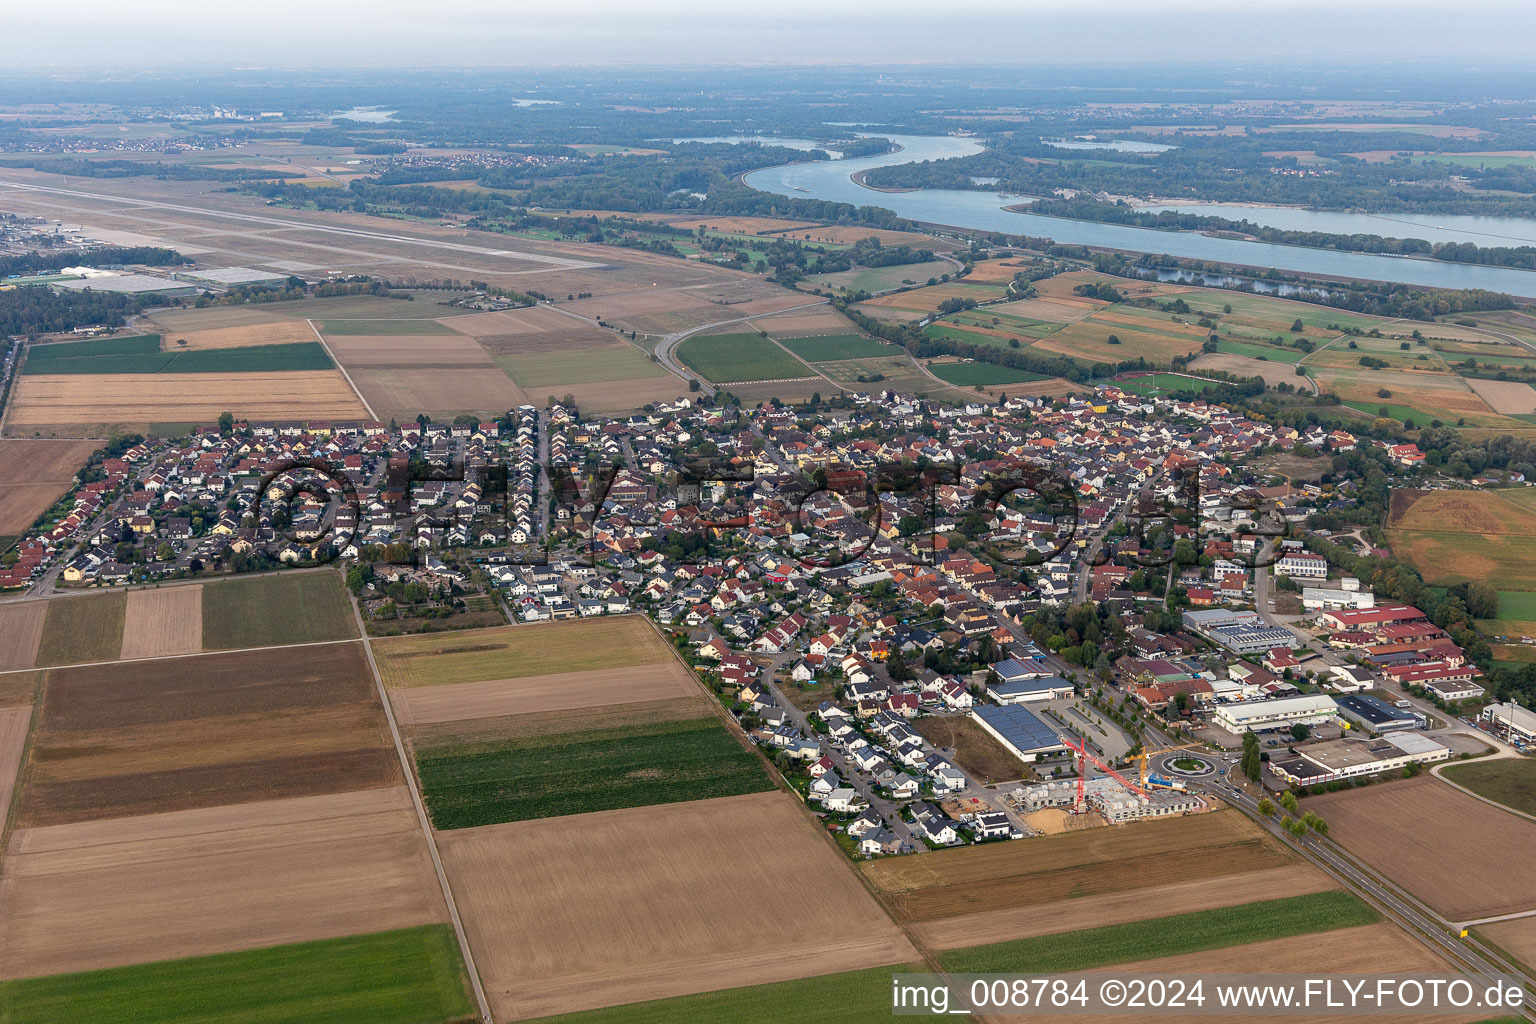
column 968, row 374
column 410, row 976
column 1507, row 781
column 595, row 365
column 960, row 334
column 280, row 608
column 1165, row 936
column 1518, row 604
column 143, row 355
column 81, row 629
column 828, row 348
column 1274, row 353
column 726, row 358
column 466, row 785
column 1162, row 383
column 1402, row 413
column 383, row 326
column 854, row 997
column 879, row 279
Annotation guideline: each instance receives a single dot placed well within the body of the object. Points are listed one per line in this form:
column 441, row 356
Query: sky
column 350, row 33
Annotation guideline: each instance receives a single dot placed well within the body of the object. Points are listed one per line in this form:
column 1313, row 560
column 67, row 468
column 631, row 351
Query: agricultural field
column 145, row 737
column 1513, row 398
column 81, row 629
column 385, row 327
column 100, row 894
column 1510, row 781
column 1516, row 937
column 163, row 622
column 36, row 474
column 727, row 358
column 141, row 355
column 21, row 630
column 615, row 362
column 1460, row 536
column 1005, row 891
column 15, row 723
column 970, row 374
column 277, row 608
column 527, row 695
column 466, row 785
column 879, row 279
column 409, row 976
column 928, row 300
column 828, row 348
column 512, row 652
column 278, row 332
column 1453, row 851
column 854, row 997
column 1169, row 935
column 1137, row 333
column 94, row 404
column 1273, row 373
column 538, row 898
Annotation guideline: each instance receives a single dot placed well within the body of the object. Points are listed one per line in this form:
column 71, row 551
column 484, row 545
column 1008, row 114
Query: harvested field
column 847, row 235
column 152, row 736
column 1506, row 396
column 36, row 474
column 618, row 361
column 403, row 393
column 493, row 698
column 740, row 225
column 1517, row 937
column 539, row 901
column 162, row 886
column 1376, row 949
column 161, row 622
column 374, row 328
column 82, row 629
column 1453, row 851
column 183, row 322
column 511, row 652
column 1507, row 561
column 1476, row 512
column 277, row 608
column 21, row 628
column 1088, row 948
column 530, row 323
column 1271, row 371
column 284, row 332
column 987, row 926
column 14, row 725
column 622, row 396
column 927, row 300
column 822, row 321
column 18, row 688
column 356, row 351
column 994, row 877
column 406, row 976
column 98, row 402
column 466, row 785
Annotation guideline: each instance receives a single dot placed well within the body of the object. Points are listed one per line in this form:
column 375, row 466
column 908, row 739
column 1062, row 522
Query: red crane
column 1084, row 755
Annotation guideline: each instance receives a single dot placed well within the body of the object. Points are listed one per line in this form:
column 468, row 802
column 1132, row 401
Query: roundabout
column 1186, row 766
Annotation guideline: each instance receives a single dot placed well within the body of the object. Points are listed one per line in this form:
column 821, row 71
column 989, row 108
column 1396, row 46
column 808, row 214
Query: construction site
column 1113, row 796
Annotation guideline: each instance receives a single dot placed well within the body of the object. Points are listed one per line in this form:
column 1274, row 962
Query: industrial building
column 1239, row 632
column 1510, row 720
column 1032, row 688
column 129, row 284
column 232, row 276
column 1020, row 730
column 1375, row 714
column 1308, row 709
column 1331, row 760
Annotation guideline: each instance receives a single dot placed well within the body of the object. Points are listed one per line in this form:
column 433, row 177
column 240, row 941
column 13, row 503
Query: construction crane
column 1083, row 757
column 1141, row 759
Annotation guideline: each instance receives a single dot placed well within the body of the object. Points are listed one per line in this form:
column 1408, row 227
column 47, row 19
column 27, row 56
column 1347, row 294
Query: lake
column 368, row 115
column 985, row 211
column 767, row 140
column 1118, row 145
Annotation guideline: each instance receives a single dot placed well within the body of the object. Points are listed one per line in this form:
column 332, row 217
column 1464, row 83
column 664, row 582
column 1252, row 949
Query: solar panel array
column 1019, row 726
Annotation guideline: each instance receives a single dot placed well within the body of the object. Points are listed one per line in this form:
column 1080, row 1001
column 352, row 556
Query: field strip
column 342, row 367
column 14, row 723
column 197, row 654
column 426, row 826
column 554, row 261
column 454, row 702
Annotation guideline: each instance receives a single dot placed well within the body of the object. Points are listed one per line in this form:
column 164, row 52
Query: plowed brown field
column 33, row 475
column 422, row 705
column 21, row 627
column 162, row 622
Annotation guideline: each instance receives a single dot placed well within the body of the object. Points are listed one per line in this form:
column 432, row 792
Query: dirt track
column 162, row 886
column 599, row 909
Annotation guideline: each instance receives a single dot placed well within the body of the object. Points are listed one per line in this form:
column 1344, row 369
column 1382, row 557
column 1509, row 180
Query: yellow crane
column 1141, row 758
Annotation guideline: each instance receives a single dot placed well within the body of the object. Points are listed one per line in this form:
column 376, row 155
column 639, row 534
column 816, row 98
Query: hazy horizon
column 691, row 33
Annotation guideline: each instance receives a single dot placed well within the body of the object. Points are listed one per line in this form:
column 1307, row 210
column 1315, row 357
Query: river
column 985, row 211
